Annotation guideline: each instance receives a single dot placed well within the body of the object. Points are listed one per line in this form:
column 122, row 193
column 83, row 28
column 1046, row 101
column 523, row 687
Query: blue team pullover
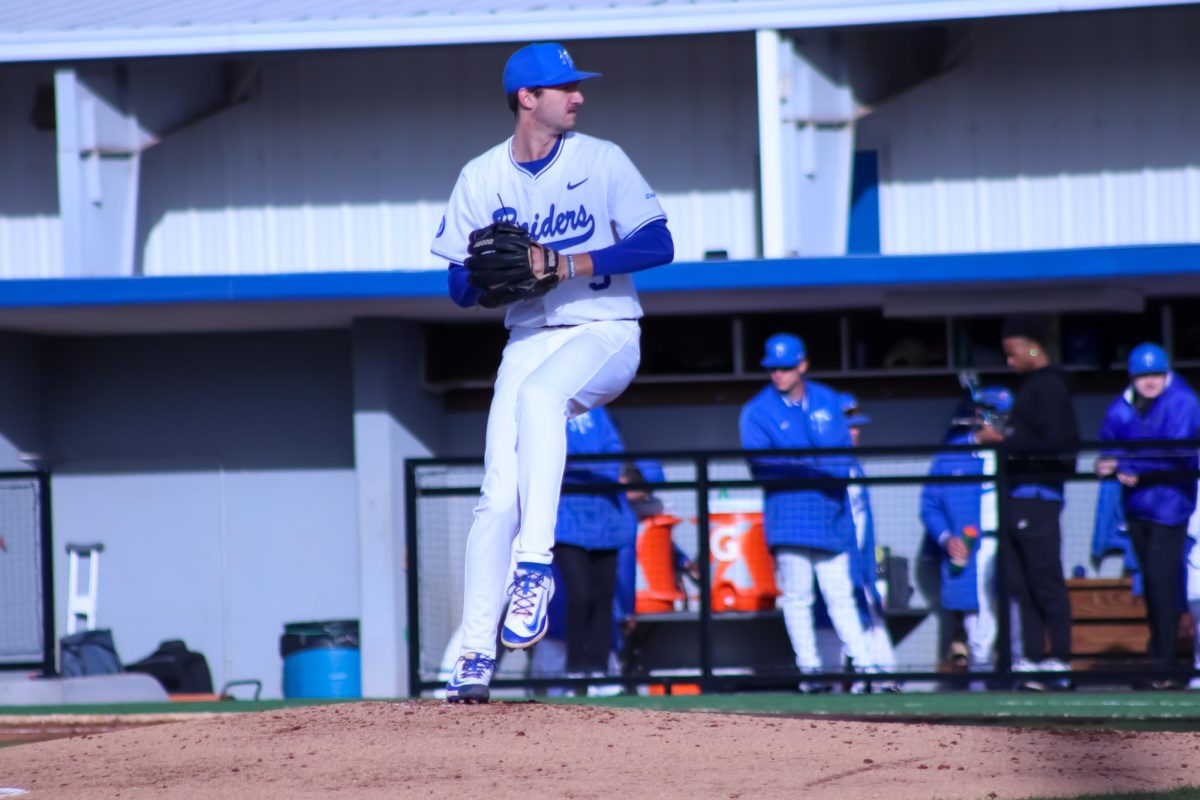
column 594, row 521
column 1175, row 414
column 948, row 508
column 809, row 517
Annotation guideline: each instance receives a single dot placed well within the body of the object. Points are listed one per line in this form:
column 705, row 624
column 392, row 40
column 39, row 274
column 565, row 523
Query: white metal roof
column 51, row 30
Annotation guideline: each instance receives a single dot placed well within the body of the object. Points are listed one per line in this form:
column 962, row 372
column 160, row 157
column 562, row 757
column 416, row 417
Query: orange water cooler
column 743, row 571
column 657, row 589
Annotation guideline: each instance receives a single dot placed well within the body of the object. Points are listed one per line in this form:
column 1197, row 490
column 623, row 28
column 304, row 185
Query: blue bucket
column 321, row 659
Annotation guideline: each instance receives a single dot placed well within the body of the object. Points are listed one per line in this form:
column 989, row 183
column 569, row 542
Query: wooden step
column 1104, row 599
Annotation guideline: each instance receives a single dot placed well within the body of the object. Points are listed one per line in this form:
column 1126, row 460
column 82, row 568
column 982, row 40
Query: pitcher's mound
column 522, row 751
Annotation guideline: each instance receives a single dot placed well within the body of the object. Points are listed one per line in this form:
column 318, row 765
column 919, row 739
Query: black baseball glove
column 502, row 264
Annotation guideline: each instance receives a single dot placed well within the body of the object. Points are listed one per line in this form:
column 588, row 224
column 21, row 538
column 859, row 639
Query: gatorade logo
column 725, row 542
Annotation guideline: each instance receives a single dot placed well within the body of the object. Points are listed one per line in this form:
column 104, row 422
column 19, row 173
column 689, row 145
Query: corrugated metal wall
column 345, row 161
column 1076, row 130
column 30, row 241
column 1052, row 132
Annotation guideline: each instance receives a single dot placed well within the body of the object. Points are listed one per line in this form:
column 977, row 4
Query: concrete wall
column 218, row 472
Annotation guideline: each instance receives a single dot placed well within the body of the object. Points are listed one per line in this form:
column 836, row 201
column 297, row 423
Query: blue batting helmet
column 849, row 406
column 994, row 398
column 783, row 351
column 1147, row 359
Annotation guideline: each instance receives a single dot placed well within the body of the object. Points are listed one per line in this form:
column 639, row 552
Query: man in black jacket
column 1043, row 419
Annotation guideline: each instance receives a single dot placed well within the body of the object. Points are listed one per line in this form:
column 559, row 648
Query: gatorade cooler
column 657, row 589
column 743, row 571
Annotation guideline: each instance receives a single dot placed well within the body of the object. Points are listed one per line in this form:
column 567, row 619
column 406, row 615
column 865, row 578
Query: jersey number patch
column 601, row 285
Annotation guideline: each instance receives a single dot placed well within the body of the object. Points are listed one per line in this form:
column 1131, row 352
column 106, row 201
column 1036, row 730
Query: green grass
column 1192, row 793
column 1160, row 711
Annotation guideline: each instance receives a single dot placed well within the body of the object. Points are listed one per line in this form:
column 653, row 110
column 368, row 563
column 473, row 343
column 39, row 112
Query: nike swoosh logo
column 571, row 186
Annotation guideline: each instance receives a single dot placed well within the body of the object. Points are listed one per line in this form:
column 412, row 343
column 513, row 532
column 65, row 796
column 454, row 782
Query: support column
column 394, row 418
column 806, row 144
column 99, row 158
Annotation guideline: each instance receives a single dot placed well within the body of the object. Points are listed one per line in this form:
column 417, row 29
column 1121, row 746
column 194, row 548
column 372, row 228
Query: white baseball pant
column 794, row 571
column 879, row 641
column 981, row 625
column 546, row 376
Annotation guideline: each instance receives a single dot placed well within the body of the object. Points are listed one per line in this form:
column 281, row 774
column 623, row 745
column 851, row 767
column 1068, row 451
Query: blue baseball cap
column 849, row 406
column 544, row 64
column 1148, row 359
column 783, row 351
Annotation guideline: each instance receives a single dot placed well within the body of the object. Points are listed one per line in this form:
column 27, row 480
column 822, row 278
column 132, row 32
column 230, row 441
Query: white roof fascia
column 514, row 26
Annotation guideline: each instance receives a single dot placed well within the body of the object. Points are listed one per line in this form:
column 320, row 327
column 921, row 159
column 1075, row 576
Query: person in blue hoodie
column 590, row 531
column 1157, row 405
column 960, row 520
column 810, row 531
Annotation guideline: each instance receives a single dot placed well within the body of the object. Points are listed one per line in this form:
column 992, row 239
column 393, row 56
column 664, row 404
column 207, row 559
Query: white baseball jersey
column 589, row 196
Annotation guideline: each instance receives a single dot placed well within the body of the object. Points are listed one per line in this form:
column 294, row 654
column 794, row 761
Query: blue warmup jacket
column 950, row 507
column 1110, row 534
column 809, row 517
column 594, row 521
column 1175, row 414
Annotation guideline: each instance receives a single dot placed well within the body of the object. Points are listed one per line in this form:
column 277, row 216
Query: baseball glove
column 501, row 263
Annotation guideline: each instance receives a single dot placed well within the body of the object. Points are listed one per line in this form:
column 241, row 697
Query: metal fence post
column 1003, row 549
column 411, row 562
column 704, row 557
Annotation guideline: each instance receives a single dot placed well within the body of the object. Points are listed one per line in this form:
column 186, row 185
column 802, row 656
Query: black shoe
column 1158, row 685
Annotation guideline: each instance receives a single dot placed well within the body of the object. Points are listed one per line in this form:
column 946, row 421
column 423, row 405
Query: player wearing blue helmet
column 960, row 520
column 810, row 531
column 1157, row 405
column 587, row 219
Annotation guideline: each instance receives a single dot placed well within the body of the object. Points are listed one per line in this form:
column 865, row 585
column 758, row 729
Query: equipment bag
column 179, row 670
column 88, row 653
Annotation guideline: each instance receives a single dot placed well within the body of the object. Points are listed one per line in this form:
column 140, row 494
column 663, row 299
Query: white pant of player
column 879, row 641
column 794, row 570
column 547, row 376
column 981, row 626
column 879, row 644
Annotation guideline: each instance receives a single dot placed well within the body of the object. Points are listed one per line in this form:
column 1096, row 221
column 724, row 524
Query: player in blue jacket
column 591, row 529
column 810, row 531
column 961, row 520
column 1157, row 405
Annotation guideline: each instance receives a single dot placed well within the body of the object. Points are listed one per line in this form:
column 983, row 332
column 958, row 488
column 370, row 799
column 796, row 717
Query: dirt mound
column 519, row 750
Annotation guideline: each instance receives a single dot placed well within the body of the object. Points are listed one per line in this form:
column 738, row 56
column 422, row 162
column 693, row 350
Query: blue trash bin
column 321, row 659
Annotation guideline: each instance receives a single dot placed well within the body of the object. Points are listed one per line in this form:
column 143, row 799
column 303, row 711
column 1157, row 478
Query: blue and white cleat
column 528, row 615
column 469, row 683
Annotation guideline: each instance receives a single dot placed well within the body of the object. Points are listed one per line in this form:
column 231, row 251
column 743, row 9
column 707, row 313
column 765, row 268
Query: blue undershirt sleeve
column 462, row 293
column 649, row 246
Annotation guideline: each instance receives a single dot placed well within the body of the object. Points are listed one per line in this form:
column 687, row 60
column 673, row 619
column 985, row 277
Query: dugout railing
column 716, row 650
